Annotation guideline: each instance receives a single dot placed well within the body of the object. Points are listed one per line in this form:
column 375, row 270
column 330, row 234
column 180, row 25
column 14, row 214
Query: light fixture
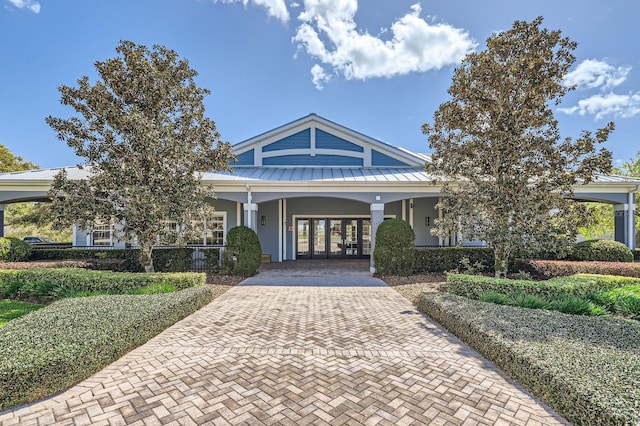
column 263, row 220
column 427, row 220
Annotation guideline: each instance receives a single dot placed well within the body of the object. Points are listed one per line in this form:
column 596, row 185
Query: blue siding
column 307, row 160
column 379, row 159
column 299, row 140
column 245, row 159
column 326, row 140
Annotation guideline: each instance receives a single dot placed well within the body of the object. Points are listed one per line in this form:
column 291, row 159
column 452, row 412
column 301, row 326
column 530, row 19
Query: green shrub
column 602, row 250
column 586, row 368
column 547, row 269
column 174, row 259
column 55, row 347
column 526, row 301
column 242, row 252
column 623, row 301
column 494, row 297
column 636, row 255
column 444, row 259
column 394, row 251
column 472, row 286
column 13, row 249
column 55, row 283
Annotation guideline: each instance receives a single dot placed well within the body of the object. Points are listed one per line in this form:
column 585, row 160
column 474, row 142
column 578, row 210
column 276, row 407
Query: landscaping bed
column 55, row 347
column 49, row 284
column 587, row 368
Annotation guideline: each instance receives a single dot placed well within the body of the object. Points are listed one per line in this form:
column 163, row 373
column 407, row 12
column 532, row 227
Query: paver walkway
column 341, row 349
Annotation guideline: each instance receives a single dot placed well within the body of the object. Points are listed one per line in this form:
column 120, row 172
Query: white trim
column 238, row 214
column 440, row 216
column 631, row 217
column 367, row 156
column 286, row 234
column 280, row 230
column 312, row 140
column 404, row 210
column 411, row 208
column 257, row 154
column 313, row 152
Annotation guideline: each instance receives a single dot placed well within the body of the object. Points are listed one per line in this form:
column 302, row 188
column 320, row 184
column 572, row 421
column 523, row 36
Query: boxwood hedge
column 55, row 347
column 472, row 286
column 45, row 283
column 546, row 269
column 443, row 259
column 586, row 368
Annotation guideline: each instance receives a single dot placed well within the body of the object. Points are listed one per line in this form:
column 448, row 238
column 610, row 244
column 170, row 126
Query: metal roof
column 291, row 174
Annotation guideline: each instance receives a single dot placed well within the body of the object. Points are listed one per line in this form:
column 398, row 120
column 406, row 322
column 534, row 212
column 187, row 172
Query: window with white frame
column 101, row 235
column 212, row 231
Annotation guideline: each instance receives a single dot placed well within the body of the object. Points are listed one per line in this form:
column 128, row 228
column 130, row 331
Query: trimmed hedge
column 473, row 286
column 98, row 264
column 636, row 255
column 547, row 269
column 53, row 348
column 243, row 252
column 443, row 259
column 45, row 283
column 602, row 250
column 586, row 368
column 394, row 251
column 178, row 259
column 13, row 249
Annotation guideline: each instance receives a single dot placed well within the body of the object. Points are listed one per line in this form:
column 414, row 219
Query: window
column 101, row 235
column 212, row 231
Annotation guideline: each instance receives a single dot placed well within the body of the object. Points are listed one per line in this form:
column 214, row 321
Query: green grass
column 11, row 309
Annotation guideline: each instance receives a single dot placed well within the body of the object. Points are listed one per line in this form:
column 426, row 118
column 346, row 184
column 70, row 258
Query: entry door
column 343, row 240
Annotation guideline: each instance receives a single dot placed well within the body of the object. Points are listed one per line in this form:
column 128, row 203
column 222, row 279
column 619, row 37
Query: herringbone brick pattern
column 296, row 356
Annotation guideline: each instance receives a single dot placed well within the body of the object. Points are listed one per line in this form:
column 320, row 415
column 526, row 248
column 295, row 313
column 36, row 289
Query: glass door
column 319, row 238
column 350, row 238
column 336, row 239
column 303, row 238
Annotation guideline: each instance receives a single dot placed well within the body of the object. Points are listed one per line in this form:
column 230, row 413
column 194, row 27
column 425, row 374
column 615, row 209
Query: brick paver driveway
column 298, row 347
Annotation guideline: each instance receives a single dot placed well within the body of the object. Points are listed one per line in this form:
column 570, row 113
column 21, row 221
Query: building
column 315, row 189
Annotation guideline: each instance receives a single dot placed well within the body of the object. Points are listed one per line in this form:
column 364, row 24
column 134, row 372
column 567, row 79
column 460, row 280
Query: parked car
column 39, row 240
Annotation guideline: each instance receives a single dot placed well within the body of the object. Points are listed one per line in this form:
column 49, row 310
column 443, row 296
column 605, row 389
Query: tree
column 142, row 131
column 13, row 163
column 507, row 176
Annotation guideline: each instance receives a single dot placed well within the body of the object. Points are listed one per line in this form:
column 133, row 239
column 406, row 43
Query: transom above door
column 323, row 238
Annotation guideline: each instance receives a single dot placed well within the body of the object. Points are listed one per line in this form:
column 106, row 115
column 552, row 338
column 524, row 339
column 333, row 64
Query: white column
column 411, row 212
column 377, row 217
column 631, row 224
column 251, row 216
column 285, row 234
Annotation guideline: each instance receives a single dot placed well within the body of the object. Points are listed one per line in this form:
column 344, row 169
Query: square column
column 251, row 216
column 377, row 217
column 624, row 224
column 1, row 220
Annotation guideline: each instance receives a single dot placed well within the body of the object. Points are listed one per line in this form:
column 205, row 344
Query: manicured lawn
column 11, row 309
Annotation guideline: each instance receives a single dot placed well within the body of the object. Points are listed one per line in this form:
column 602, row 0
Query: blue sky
column 380, row 67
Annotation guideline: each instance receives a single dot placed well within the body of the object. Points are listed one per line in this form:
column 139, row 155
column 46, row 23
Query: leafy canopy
column 507, row 175
column 142, row 131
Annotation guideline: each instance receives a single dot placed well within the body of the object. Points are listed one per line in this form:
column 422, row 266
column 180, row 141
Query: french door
column 323, row 238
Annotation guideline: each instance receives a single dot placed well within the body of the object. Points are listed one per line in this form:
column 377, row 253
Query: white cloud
column 319, row 76
column 602, row 77
column 591, row 74
column 415, row 45
column 275, row 8
column 610, row 104
column 33, row 6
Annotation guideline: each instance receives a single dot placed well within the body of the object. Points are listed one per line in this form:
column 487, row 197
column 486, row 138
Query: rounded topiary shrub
column 394, row 252
column 13, row 249
column 601, row 250
column 242, row 252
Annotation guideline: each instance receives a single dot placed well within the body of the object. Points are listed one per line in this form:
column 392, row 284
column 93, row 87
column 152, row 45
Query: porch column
column 377, row 216
column 251, row 216
column 1, row 220
column 624, row 222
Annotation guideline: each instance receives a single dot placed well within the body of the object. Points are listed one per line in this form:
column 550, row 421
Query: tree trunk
column 501, row 254
column 145, row 258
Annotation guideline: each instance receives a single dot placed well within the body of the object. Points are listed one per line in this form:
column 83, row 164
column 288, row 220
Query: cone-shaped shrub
column 395, row 252
column 242, row 252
